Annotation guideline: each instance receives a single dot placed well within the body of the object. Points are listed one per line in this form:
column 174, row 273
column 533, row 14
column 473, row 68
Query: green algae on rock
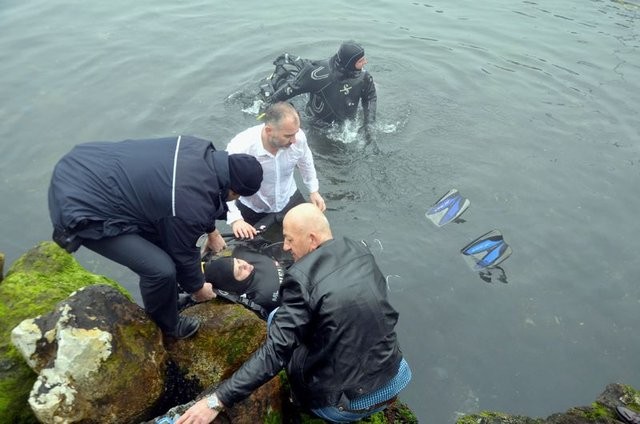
column 229, row 334
column 602, row 411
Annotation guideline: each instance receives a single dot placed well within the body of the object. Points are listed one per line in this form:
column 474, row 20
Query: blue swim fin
column 487, row 251
column 448, row 208
column 483, row 244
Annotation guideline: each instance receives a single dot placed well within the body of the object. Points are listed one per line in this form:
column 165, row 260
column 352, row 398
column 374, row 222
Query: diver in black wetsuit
column 336, row 85
column 250, row 278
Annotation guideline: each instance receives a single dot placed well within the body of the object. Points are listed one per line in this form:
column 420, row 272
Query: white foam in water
column 387, row 128
column 254, row 109
column 347, row 133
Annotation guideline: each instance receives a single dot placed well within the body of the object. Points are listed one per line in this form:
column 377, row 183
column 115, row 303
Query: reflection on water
column 493, row 274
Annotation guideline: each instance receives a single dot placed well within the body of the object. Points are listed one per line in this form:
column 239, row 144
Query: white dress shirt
column 278, row 184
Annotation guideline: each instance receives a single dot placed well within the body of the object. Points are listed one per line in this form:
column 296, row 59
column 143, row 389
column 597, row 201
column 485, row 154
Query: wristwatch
column 214, row 403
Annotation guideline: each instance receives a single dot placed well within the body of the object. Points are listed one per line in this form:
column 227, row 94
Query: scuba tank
column 287, row 67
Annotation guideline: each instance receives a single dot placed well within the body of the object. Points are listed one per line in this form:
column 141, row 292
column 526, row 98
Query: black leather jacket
column 334, row 331
column 334, row 92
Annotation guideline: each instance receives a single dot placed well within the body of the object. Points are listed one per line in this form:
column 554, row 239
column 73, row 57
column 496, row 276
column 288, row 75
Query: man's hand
column 199, row 413
column 205, row 293
column 243, row 230
column 317, row 200
column 215, row 242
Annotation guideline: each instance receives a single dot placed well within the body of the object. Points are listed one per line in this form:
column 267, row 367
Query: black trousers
column 157, row 272
column 268, row 218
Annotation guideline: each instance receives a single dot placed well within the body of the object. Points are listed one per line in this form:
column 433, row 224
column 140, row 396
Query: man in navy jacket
column 149, row 205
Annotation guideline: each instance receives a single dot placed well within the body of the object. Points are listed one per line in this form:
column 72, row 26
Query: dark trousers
column 258, row 219
column 157, row 272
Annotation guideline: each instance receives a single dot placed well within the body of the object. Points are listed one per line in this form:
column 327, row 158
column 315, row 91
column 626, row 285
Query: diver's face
column 282, row 136
column 241, row 269
column 360, row 63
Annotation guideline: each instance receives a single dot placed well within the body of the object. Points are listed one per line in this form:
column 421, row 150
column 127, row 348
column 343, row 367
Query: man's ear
column 232, row 195
column 314, row 241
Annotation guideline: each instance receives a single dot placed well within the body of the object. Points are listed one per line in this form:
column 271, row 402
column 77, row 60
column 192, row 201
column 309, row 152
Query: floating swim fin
column 448, row 208
column 487, row 251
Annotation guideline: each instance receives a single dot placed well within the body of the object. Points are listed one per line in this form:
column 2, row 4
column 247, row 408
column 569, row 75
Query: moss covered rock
column 34, row 284
column 228, row 335
column 602, row 411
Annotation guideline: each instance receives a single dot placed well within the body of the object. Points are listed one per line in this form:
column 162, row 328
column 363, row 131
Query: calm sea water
column 528, row 108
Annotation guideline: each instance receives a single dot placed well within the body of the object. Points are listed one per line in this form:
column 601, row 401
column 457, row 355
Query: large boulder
column 228, row 335
column 100, row 359
column 34, row 284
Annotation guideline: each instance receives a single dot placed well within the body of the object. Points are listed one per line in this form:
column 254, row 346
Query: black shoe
column 627, row 415
column 186, row 327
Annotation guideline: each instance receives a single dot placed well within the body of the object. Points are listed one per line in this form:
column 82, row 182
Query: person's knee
column 161, row 272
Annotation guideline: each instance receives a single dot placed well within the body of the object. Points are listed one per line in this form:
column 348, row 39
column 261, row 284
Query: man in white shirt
column 280, row 146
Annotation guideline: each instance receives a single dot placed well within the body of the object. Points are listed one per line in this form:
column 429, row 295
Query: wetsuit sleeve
column 300, row 84
column 178, row 238
column 369, row 100
column 290, row 325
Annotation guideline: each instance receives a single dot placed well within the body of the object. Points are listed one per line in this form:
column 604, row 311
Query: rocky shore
column 601, row 411
column 74, row 347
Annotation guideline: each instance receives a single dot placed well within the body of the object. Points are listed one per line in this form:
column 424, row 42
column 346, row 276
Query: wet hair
column 278, row 111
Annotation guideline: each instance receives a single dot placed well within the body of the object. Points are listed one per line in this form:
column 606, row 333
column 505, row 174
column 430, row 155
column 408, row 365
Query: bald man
column 304, row 230
column 334, row 332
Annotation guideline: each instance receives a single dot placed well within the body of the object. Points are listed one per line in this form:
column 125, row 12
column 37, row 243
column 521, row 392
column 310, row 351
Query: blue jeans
column 384, row 393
